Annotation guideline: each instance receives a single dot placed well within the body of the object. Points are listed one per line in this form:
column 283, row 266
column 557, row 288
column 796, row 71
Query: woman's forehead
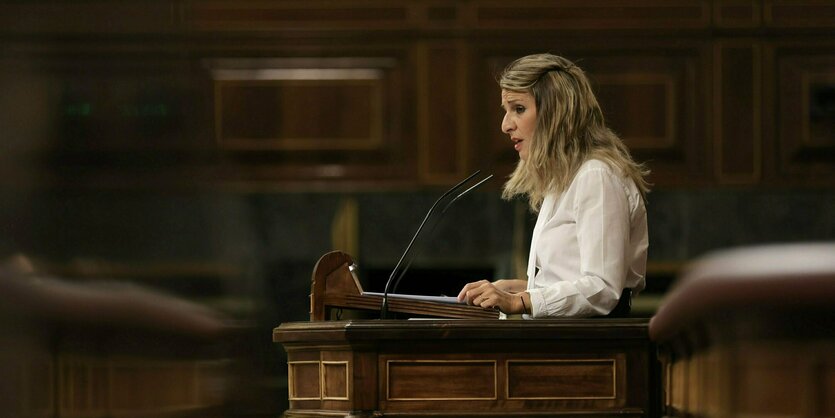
column 515, row 96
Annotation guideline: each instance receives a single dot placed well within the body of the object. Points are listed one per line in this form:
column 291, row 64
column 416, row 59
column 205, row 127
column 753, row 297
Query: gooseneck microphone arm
column 391, row 279
column 432, row 228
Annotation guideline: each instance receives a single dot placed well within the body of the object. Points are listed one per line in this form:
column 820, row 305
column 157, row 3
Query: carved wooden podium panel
column 601, row 367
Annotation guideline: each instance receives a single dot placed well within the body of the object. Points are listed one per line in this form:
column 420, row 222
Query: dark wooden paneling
column 565, row 379
column 294, row 15
column 35, row 375
column 120, row 102
column 90, row 16
column 95, row 386
column 444, row 136
column 441, row 380
column 737, row 111
column 292, row 115
column 706, row 92
column 737, row 14
column 309, row 118
column 805, row 14
column 91, row 114
column 655, row 94
column 594, row 14
column 758, row 395
column 804, row 148
column 824, row 373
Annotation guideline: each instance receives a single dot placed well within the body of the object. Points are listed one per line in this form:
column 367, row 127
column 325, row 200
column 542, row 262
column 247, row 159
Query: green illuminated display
column 78, row 109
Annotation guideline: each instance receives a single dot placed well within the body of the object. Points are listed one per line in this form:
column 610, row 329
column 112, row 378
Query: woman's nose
column 507, row 124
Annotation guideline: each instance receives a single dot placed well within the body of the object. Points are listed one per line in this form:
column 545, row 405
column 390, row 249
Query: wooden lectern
column 460, row 367
column 335, row 286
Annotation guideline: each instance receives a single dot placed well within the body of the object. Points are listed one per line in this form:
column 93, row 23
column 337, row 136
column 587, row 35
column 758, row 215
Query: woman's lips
column 517, row 144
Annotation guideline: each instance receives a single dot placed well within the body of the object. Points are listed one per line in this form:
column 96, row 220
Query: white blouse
column 589, row 243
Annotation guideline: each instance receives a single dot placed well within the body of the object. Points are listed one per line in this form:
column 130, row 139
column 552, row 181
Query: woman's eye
column 520, row 109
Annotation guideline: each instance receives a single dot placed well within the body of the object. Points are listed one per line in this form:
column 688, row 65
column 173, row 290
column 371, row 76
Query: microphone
column 391, row 280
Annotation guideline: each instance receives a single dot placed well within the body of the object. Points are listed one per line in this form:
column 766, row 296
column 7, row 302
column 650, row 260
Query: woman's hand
column 511, row 285
column 489, row 296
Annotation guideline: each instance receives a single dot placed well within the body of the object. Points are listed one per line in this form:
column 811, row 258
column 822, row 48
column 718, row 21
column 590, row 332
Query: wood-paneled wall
column 403, row 93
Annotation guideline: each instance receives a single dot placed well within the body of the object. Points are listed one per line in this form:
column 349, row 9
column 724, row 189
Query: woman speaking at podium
column 589, row 246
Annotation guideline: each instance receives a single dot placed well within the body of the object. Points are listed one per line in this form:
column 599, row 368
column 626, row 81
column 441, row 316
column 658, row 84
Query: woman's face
column 519, row 120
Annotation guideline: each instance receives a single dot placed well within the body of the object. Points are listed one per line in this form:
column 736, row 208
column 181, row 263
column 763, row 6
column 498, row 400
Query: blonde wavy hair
column 570, row 129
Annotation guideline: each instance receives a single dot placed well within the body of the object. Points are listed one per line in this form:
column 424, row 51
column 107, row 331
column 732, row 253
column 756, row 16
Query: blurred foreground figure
column 750, row 332
column 106, row 349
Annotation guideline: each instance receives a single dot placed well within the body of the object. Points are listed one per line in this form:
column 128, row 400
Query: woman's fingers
column 470, row 291
column 486, row 295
